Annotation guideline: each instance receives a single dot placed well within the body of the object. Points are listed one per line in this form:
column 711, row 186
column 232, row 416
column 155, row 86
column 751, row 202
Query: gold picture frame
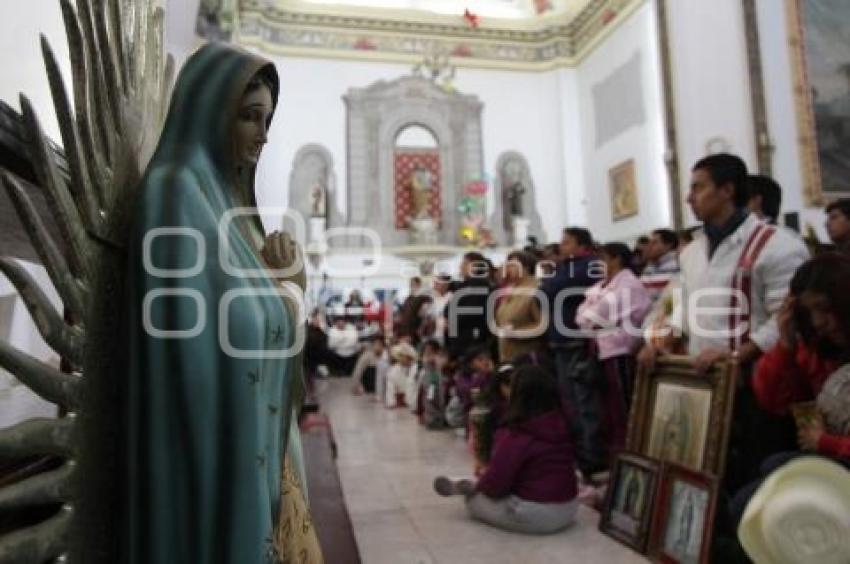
column 681, row 417
column 824, row 177
column 623, row 184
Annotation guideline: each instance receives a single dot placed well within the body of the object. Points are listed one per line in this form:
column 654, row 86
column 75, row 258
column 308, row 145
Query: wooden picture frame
column 623, row 186
column 681, row 417
column 817, row 100
column 684, row 516
column 630, row 501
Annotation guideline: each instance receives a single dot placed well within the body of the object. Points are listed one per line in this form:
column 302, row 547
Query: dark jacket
column 410, row 320
column 575, row 274
column 533, row 461
column 471, row 329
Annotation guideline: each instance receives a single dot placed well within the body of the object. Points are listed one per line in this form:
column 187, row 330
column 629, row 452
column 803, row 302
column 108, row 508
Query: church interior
column 425, row 281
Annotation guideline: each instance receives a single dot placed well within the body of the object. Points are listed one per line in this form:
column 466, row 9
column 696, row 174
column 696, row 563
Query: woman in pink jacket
column 612, row 313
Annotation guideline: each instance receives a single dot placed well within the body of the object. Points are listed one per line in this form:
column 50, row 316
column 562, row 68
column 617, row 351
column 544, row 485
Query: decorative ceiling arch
column 561, row 36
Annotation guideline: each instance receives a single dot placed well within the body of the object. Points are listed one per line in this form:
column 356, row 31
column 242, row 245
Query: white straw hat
column 404, row 349
column 800, row 514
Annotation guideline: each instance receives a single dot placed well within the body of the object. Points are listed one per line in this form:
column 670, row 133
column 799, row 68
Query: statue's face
column 251, row 129
column 513, row 171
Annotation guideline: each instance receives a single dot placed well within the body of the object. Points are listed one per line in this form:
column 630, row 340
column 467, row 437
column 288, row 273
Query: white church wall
column 572, row 161
column 180, row 37
column 621, row 113
column 711, row 83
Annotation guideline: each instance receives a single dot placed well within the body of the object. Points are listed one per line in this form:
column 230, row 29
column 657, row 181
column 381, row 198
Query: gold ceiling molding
column 556, row 42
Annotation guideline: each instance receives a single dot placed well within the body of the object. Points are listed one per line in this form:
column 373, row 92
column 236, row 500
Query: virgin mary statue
column 214, row 463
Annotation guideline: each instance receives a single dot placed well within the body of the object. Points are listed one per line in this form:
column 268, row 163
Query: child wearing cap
column 402, row 371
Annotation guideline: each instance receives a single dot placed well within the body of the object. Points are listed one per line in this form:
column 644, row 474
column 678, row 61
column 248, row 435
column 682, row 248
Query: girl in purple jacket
column 529, row 485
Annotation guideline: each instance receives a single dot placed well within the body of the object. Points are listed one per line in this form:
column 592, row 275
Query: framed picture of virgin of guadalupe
column 819, row 43
column 627, row 515
column 624, row 197
column 684, row 516
column 681, row 417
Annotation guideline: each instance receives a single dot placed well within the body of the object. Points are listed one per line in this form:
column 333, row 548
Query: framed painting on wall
column 819, row 39
column 624, row 198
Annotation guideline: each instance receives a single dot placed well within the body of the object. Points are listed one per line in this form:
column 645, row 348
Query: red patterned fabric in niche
column 406, row 161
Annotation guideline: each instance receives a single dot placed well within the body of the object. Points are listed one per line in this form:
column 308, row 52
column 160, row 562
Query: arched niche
column 313, row 167
column 512, row 172
column 377, row 116
column 416, row 153
column 416, row 136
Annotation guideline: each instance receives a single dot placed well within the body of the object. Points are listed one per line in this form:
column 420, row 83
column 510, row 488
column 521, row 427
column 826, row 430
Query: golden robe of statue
column 420, row 188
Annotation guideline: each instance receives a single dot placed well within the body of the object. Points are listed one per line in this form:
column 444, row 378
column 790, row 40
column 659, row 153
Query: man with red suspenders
column 734, row 278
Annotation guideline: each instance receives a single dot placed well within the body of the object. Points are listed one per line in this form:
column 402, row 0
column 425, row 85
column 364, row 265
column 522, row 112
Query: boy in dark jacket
column 578, row 374
column 466, row 311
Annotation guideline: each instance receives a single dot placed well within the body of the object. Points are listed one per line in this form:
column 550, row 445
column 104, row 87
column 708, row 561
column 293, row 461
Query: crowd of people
column 535, row 361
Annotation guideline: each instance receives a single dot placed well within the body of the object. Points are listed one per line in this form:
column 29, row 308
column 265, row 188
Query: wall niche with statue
column 412, row 145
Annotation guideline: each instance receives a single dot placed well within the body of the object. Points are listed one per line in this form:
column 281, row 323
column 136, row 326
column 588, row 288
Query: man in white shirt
column 734, row 278
column 765, row 198
column 344, row 344
column 437, row 317
column 715, row 268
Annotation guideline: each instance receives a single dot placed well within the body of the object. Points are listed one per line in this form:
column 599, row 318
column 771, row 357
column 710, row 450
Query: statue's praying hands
column 281, row 253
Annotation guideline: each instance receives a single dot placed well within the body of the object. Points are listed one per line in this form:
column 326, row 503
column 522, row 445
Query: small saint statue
column 318, row 198
column 514, row 198
column 513, row 192
column 421, row 188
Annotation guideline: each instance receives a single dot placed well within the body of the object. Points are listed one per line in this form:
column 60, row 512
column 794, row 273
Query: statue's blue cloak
column 209, row 413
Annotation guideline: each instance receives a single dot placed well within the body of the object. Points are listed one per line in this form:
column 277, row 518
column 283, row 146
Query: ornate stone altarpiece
column 376, row 115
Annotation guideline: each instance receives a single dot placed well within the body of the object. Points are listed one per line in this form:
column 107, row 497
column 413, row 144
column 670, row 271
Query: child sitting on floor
column 382, row 369
column 529, row 485
column 475, row 374
column 364, row 375
column 400, row 374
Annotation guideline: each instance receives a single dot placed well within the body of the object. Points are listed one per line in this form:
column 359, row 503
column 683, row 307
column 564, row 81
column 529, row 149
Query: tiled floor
column 387, row 463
